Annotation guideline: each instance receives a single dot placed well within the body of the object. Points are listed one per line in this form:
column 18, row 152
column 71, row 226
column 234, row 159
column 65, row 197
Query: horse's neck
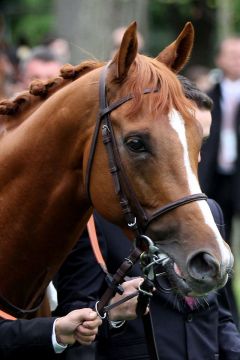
column 29, row 262
column 43, row 200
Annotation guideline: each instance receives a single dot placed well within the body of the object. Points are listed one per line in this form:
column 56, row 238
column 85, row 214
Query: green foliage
column 33, row 28
column 167, row 18
column 33, row 19
column 236, row 16
column 27, row 19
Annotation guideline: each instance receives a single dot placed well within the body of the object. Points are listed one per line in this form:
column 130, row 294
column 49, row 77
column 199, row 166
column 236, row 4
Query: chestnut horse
column 52, row 176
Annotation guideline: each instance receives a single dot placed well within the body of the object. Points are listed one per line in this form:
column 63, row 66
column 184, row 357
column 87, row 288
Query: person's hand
column 127, row 310
column 79, row 325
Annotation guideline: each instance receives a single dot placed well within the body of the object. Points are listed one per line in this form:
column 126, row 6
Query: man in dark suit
column 219, row 170
column 206, row 331
column 220, row 155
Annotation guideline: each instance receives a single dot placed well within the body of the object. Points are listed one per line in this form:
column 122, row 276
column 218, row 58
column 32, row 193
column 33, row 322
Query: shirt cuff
column 58, row 348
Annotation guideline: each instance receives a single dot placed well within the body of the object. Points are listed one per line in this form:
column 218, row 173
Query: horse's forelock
column 150, row 73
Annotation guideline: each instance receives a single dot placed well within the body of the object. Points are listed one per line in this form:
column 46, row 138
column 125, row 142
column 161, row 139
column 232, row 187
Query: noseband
column 135, row 216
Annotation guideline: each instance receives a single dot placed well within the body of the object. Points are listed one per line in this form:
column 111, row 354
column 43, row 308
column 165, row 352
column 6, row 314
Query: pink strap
column 94, row 242
column 6, row 316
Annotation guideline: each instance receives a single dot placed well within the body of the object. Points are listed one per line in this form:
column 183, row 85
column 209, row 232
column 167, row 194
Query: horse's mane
column 147, row 72
column 41, row 90
column 152, row 74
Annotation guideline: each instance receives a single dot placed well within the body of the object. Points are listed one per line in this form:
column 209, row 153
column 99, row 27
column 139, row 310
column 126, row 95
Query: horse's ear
column 176, row 55
column 127, row 51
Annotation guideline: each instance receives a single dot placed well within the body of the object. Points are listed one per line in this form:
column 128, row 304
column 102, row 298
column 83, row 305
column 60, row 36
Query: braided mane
column 41, row 90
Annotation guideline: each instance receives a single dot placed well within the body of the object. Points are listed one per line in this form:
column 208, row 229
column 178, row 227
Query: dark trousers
column 78, row 352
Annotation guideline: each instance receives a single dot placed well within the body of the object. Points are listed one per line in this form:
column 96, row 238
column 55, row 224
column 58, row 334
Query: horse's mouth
column 170, row 279
column 176, row 280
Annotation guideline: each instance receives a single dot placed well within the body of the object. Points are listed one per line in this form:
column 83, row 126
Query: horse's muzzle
column 204, row 274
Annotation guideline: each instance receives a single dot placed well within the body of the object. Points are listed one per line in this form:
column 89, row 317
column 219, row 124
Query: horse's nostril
column 202, row 266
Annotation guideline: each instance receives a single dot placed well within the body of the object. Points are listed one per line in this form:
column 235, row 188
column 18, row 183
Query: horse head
column 154, row 161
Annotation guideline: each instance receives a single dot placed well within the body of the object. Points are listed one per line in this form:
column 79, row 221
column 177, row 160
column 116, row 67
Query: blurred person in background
column 6, row 75
column 60, row 48
column 8, row 64
column 219, row 170
column 42, row 63
column 201, row 76
column 8, row 70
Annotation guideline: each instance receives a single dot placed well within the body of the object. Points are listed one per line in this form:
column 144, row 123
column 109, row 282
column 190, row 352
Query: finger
column 92, row 324
column 84, row 334
column 85, row 341
column 85, row 331
column 80, row 315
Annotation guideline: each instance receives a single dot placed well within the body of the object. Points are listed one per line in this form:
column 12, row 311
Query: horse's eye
column 136, row 145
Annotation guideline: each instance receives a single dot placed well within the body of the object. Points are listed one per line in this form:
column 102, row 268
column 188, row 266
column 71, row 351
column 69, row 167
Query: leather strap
column 149, row 333
column 135, row 215
column 175, row 204
column 18, row 312
column 118, row 278
column 145, row 293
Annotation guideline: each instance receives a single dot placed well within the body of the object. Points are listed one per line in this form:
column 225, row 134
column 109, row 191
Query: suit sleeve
column 26, row 338
column 80, row 279
column 218, row 216
column 228, row 334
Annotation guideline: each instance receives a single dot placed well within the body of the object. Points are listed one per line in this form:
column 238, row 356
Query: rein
column 144, row 291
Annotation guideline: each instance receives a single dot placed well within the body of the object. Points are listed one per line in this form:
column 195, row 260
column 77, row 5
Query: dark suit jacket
column 205, row 333
column 208, row 171
column 30, row 339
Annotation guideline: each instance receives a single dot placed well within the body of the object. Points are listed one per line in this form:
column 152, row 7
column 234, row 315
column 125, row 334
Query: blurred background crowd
column 76, row 30
column 38, row 37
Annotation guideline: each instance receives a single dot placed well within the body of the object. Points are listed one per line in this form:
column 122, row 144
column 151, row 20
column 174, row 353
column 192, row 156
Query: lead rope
column 144, row 292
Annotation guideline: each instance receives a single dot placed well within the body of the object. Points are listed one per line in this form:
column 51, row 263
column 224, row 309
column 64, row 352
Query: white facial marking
column 177, row 123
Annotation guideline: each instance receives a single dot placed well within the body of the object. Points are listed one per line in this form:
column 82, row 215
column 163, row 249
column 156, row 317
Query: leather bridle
column 135, row 216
